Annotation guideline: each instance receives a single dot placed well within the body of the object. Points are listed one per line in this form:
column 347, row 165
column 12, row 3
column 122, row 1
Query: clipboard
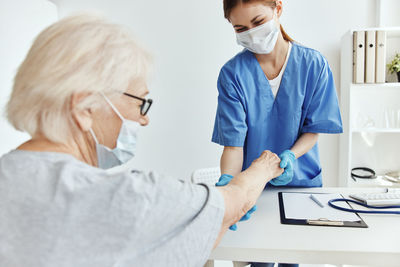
column 319, row 220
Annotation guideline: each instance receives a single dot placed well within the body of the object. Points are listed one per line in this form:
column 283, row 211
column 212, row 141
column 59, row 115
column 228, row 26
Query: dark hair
column 230, row 4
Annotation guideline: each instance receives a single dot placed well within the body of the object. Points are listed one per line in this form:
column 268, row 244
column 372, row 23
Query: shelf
column 367, row 109
column 391, row 31
column 375, row 85
column 376, row 130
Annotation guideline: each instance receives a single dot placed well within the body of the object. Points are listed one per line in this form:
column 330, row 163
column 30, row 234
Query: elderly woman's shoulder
column 52, row 172
column 32, row 164
column 42, row 167
column 45, row 176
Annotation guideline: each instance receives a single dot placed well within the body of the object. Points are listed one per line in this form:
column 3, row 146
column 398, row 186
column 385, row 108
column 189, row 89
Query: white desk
column 264, row 239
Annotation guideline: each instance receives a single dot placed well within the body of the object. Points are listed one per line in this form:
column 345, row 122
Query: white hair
column 78, row 54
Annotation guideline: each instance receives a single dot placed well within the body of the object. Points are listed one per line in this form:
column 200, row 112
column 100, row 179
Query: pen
column 316, row 201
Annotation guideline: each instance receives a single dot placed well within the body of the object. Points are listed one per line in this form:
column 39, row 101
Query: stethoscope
column 355, row 173
column 378, row 209
column 331, row 203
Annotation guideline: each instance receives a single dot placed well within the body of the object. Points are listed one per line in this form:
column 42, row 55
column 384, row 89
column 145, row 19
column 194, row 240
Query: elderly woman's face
column 106, row 121
column 130, row 107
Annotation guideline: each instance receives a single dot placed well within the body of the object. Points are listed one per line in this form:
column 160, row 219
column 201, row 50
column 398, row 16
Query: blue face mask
column 126, row 143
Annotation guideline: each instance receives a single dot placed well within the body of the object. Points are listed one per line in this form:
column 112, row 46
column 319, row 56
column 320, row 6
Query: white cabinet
column 371, row 119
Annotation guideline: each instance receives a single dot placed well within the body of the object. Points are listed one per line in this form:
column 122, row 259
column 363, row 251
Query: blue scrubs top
column 249, row 116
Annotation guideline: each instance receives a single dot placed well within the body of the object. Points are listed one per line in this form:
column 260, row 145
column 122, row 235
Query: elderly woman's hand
column 268, row 163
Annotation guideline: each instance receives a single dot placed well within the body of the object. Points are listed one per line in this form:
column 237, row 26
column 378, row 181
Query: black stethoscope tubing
column 371, row 171
column 364, row 205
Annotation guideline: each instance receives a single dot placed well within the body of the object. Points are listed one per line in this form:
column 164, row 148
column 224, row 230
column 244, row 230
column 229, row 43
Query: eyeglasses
column 145, row 106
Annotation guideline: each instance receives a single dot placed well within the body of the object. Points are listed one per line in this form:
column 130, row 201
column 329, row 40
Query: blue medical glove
column 287, row 161
column 224, row 180
column 248, row 214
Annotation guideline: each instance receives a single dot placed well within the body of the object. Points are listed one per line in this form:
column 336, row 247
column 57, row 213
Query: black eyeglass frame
column 144, row 101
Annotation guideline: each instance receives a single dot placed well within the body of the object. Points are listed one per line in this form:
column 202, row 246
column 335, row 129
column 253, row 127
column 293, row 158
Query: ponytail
column 285, row 35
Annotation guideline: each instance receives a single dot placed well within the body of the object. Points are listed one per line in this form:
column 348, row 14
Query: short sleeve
column 181, row 222
column 323, row 113
column 230, row 127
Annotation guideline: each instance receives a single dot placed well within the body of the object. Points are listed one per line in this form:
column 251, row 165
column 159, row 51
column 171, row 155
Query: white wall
column 20, row 22
column 190, row 41
column 320, row 24
column 388, row 11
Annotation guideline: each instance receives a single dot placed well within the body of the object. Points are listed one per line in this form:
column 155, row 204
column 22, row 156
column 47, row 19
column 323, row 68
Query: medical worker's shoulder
column 310, row 56
column 234, row 65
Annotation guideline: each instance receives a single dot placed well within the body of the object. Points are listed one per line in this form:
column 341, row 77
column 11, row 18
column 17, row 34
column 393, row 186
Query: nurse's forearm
column 305, row 142
column 231, row 160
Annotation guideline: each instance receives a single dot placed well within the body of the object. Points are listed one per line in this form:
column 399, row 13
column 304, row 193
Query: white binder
column 370, row 56
column 358, row 56
column 380, row 67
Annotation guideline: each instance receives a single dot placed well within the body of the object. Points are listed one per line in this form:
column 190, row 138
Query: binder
column 370, row 37
column 309, row 213
column 358, row 56
column 380, row 67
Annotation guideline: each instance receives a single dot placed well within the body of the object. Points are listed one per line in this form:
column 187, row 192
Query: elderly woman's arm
column 245, row 188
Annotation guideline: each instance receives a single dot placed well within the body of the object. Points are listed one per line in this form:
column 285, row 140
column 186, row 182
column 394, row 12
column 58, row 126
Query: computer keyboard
column 378, row 199
column 206, row 176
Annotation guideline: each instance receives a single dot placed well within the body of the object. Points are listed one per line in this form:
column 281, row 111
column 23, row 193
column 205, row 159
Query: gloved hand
column 224, row 180
column 287, row 161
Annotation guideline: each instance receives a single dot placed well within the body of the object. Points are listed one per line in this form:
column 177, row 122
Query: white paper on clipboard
column 301, row 207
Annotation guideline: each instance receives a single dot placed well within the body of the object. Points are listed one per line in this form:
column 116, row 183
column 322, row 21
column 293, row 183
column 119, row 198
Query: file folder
column 380, row 74
column 370, row 37
column 358, row 56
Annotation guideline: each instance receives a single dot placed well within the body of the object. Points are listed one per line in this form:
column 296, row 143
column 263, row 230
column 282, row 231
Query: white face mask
column 126, row 143
column 261, row 39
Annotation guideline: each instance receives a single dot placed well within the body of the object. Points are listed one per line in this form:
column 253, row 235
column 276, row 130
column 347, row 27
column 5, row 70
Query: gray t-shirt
column 58, row 211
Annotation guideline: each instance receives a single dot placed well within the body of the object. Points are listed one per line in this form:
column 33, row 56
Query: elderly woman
column 80, row 94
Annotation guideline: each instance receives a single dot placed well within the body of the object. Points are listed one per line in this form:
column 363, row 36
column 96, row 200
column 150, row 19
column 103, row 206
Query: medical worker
column 276, row 94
